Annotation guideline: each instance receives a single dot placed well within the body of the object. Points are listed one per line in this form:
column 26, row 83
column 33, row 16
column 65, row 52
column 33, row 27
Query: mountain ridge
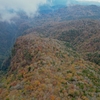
column 48, row 69
column 83, row 35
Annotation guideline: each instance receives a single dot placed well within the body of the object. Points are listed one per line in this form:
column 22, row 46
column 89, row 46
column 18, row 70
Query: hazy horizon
column 31, row 7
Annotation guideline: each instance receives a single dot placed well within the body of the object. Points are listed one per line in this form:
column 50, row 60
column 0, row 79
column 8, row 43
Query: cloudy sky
column 30, row 6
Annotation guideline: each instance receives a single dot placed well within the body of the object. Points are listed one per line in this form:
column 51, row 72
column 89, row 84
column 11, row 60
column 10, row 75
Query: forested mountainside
column 48, row 69
column 8, row 34
column 82, row 35
column 7, row 38
column 48, row 16
column 53, row 56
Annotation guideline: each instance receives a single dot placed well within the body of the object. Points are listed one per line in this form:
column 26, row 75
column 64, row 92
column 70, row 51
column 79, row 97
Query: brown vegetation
column 47, row 69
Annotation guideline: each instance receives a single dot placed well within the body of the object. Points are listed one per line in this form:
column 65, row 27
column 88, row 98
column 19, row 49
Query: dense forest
column 53, row 56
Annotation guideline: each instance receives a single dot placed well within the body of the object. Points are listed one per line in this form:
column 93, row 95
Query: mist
column 28, row 6
column 31, row 7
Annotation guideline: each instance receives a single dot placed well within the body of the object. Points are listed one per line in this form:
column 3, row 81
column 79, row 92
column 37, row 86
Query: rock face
column 46, row 69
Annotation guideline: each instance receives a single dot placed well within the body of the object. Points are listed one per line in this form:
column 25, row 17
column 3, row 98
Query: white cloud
column 89, row 0
column 6, row 16
column 29, row 6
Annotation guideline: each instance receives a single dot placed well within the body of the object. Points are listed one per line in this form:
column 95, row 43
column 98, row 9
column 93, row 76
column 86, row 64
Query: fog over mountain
column 30, row 7
column 9, row 8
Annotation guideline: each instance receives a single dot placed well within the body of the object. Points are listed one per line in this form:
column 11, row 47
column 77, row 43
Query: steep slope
column 7, row 38
column 48, row 69
column 8, row 34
